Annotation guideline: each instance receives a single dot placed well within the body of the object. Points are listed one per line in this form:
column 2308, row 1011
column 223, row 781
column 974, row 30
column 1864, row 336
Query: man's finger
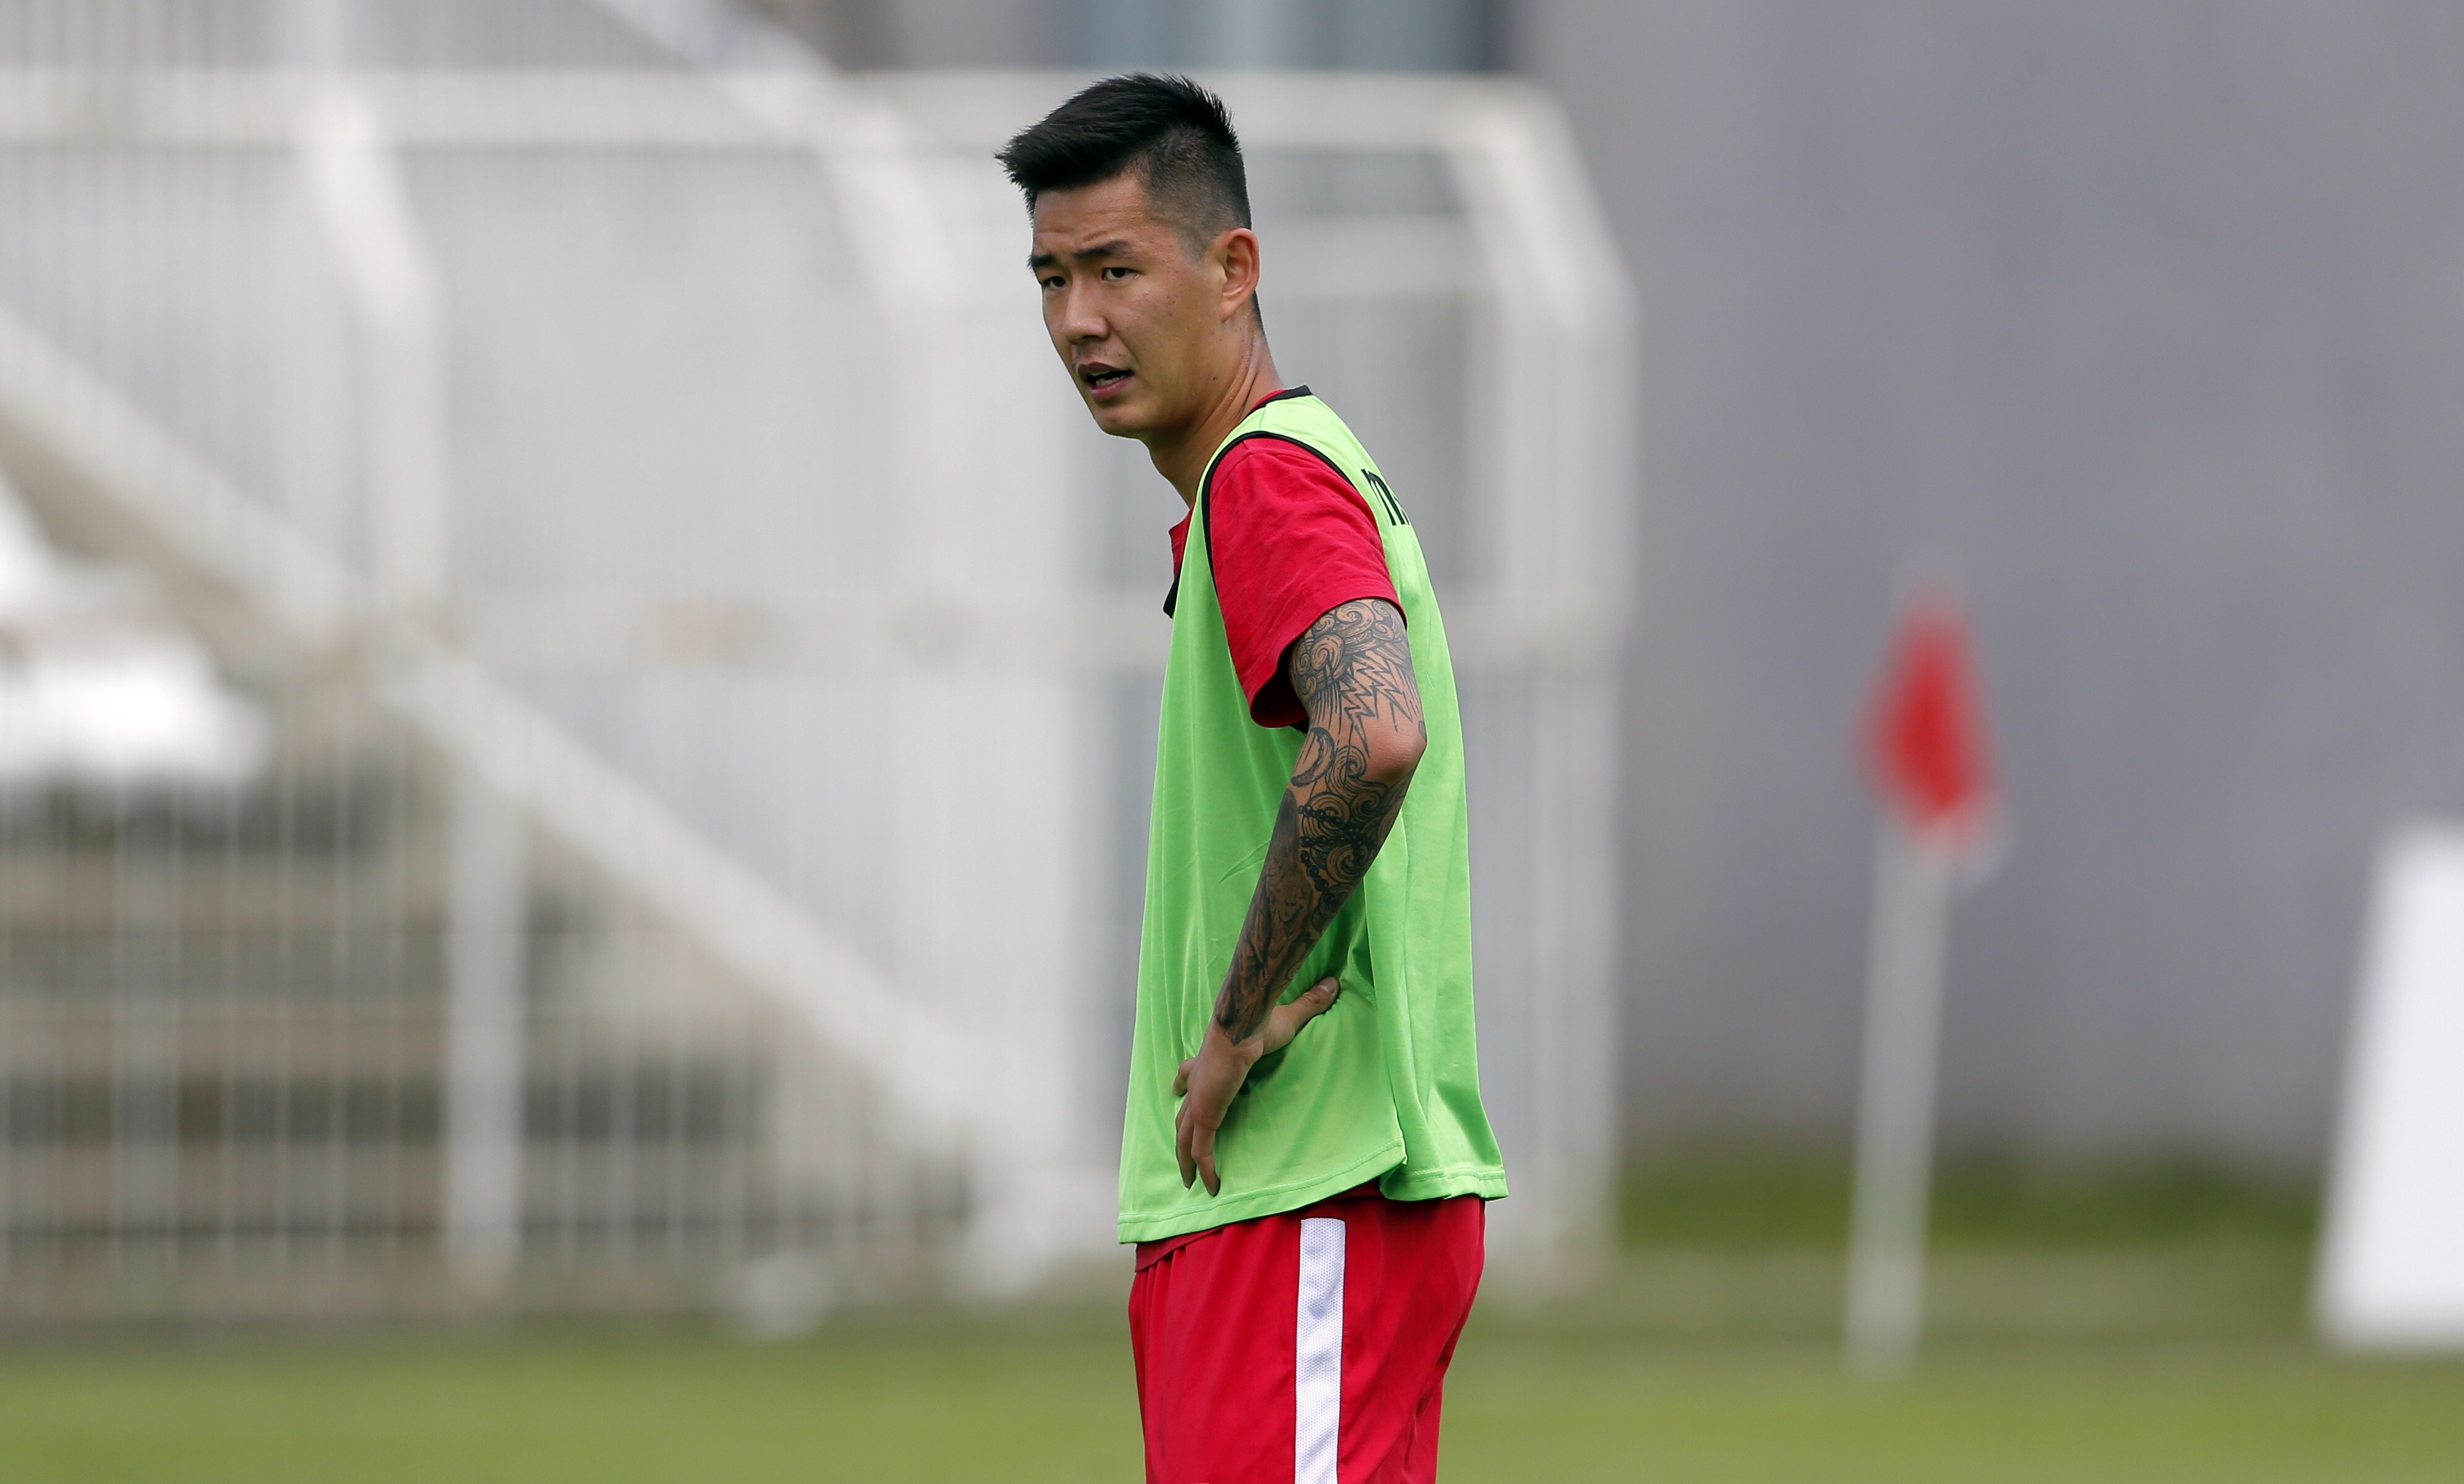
column 1180, row 1147
column 1203, row 1145
column 1180, row 1078
column 1285, row 1021
column 1315, row 1001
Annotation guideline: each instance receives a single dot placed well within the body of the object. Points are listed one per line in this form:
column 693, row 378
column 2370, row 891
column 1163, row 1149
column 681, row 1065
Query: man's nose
column 1076, row 321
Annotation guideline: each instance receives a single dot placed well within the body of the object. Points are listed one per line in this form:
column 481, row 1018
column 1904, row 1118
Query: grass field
column 2110, row 1331
column 1002, row 1402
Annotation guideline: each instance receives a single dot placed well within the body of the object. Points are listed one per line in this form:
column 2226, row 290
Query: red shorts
column 1308, row 1347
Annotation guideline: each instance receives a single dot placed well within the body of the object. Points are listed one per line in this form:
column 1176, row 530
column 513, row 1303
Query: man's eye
column 1115, row 275
column 1052, row 282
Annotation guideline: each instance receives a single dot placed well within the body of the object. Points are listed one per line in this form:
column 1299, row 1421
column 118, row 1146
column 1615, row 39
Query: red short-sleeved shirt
column 1290, row 538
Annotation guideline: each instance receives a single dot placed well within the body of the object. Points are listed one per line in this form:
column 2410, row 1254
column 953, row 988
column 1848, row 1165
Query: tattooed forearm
column 1353, row 672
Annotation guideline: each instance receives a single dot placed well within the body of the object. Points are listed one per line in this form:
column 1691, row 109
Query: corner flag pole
column 1895, row 1103
column 1926, row 750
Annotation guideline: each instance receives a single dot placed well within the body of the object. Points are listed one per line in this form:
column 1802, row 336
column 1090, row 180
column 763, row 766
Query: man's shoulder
column 1276, row 469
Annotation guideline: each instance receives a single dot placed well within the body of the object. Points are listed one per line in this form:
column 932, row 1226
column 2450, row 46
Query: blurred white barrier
column 2391, row 1267
column 109, row 468
column 658, row 470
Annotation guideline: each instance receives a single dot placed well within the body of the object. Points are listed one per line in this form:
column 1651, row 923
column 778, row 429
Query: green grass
column 934, row 1402
column 1757, row 1199
column 1629, row 1413
column 1015, row 1402
column 2138, row 1325
column 1748, row 1244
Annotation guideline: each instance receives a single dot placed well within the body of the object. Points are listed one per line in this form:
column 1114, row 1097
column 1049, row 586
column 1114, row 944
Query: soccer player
column 1304, row 1157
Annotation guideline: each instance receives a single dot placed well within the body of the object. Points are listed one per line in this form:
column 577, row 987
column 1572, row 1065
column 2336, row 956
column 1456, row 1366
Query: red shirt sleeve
column 1289, row 539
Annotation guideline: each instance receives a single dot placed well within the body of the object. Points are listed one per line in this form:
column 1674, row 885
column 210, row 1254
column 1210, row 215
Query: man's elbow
column 1393, row 755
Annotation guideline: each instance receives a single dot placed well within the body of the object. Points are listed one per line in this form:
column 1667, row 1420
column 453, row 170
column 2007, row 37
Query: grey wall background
column 1393, row 34
column 2153, row 311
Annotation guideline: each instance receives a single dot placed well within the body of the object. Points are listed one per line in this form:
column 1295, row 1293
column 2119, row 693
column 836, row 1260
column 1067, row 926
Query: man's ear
column 1236, row 257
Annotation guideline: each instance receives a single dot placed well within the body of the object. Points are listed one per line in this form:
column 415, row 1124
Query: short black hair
column 1177, row 134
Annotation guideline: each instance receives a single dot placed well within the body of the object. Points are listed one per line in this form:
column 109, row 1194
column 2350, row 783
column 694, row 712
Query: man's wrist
column 1247, row 1048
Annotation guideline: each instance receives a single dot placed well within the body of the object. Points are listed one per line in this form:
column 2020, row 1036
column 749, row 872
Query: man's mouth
column 1100, row 380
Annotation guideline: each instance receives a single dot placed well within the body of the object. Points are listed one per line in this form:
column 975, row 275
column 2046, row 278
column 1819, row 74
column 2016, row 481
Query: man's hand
column 1208, row 1081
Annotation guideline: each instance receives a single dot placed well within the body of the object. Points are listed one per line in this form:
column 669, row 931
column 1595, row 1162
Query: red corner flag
column 1925, row 741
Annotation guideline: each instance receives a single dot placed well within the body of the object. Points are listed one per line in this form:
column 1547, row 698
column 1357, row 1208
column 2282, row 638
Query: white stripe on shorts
column 1317, row 1361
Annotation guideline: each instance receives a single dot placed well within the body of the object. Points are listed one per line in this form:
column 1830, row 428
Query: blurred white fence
column 687, row 666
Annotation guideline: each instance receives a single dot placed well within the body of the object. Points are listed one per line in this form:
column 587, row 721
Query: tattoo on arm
column 1353, row 672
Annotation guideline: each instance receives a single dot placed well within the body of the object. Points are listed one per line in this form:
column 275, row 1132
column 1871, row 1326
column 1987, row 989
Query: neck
column 1181, row 455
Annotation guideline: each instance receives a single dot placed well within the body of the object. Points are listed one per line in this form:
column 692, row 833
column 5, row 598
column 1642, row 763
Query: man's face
column 1135, row 315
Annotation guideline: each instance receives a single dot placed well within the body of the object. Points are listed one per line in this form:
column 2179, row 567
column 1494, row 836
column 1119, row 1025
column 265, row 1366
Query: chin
column 1125, row 422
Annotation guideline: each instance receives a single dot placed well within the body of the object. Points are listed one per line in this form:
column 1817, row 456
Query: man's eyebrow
column 1118, row 247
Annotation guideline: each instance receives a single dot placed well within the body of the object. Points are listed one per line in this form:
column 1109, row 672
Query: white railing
column 103, row 465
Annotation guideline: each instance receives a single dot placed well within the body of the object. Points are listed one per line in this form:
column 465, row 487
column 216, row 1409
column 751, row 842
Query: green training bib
column 1384, row 1086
